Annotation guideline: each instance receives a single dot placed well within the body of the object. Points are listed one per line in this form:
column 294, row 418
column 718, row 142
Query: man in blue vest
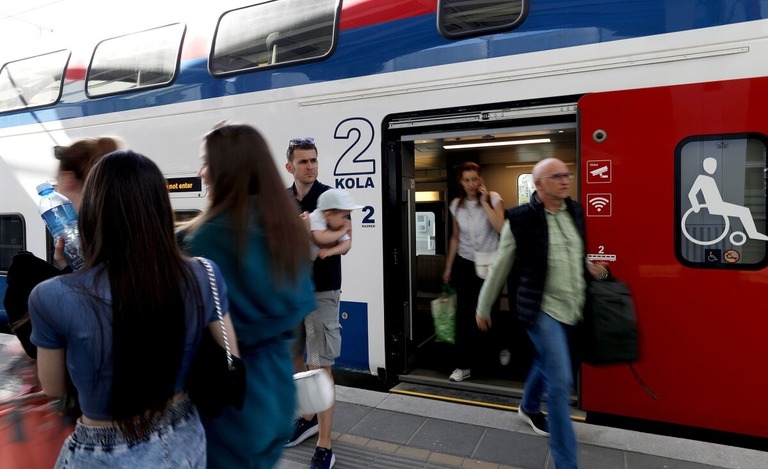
column 541, row 255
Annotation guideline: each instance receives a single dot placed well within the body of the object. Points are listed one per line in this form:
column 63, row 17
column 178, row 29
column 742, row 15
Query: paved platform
column 385, row 430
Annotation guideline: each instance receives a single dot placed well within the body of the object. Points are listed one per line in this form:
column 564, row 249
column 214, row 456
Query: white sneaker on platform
column 504, row 357
column 460, row 375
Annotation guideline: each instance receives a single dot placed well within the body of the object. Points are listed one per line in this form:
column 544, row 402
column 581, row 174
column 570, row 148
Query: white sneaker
column 460, row 375
column 504, row 357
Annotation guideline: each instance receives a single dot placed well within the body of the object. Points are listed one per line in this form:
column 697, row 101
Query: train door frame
column 399, row 132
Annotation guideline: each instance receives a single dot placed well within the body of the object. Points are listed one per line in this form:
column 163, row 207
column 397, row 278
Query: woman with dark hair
column 127, row 325
column 252, row 231
column 478, row 215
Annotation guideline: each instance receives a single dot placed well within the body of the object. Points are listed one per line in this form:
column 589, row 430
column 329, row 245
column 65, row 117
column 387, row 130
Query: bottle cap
column 43, row 187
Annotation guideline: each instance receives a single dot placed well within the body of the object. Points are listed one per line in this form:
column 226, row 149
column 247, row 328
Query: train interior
column 506, row 154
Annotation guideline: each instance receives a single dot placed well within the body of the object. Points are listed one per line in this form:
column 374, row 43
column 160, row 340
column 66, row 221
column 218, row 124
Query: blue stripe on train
column 371, row 50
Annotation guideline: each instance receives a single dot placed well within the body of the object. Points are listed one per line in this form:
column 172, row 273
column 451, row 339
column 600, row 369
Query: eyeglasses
column 560, row 176
column 298, row 142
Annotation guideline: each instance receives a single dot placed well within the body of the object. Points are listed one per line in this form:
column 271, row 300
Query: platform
column 390, row 430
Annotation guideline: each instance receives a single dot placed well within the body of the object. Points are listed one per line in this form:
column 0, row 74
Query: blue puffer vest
column 525, row 283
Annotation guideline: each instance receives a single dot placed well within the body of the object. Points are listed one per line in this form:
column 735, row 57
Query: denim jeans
column 177, row 441
column 551, row 372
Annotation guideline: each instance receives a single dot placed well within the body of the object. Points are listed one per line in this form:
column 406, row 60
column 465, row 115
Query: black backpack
column 609, row 331
column 610, row 325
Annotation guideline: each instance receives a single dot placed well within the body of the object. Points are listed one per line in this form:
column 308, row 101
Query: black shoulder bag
column 216, row 378
column 610, row 324
column 610, row 327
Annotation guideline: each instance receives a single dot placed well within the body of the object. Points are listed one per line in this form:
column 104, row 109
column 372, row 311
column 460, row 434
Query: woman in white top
column 478, row 215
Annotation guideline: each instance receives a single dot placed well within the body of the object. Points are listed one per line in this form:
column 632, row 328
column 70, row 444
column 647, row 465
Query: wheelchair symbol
column 737, row 238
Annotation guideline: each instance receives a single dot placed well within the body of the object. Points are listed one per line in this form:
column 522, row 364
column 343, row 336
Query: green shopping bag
column 444, row 315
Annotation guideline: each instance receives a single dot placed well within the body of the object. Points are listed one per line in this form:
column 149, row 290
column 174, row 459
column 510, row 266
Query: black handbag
column 610, row 324
column 216, row 378
column 610, row 327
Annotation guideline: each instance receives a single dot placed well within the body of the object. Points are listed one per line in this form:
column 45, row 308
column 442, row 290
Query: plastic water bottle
column 61, row 219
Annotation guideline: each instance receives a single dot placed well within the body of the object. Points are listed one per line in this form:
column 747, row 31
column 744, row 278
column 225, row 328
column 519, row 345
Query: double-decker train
column 658, row 107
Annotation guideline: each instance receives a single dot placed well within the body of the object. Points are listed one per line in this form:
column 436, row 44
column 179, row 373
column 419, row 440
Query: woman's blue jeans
column 177, row 441
column 551, row 373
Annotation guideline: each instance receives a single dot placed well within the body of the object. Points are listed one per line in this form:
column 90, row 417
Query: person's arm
column 341, row 248
column 215, row 329
column 60, row 259
column 497, row 275
column 453, row 248
column 324, row 238
column 598, row 270
column 52, row 371
column 304, row 216
column 495, row 213
column 693, row 193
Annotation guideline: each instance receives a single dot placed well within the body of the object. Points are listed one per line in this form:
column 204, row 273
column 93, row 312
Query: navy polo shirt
column 326, row 273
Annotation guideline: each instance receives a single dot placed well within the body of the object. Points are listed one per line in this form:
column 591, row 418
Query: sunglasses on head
column 297, row 142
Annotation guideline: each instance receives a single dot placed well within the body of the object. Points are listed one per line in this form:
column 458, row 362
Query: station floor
column 374, row 429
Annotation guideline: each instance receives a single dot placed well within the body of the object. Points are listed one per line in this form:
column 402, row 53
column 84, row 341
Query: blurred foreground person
column 251, row 230
column 127, row 325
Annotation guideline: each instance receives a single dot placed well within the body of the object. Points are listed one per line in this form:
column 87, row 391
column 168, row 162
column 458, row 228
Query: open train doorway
column 421, row 152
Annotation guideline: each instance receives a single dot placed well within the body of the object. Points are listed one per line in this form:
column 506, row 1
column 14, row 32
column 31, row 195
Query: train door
column 421, row 151
column 674, row 190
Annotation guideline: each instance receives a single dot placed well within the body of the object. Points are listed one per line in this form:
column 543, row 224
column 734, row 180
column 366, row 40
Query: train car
column 657, row 106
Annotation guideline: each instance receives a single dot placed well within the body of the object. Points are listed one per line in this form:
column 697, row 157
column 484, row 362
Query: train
column 658, row 107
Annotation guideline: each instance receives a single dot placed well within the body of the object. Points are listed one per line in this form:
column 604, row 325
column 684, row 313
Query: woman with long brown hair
column 127, row 325
column 251, row 230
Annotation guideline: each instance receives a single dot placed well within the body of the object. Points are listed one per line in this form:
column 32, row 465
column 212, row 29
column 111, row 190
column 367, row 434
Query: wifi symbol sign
column 598, row 205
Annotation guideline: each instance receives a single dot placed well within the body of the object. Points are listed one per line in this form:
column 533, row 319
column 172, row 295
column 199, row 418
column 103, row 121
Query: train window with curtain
column 147, row 59
column 32, row 82
column 274, row 33
column 462, row 18
column 12, row 236
column 721, row 201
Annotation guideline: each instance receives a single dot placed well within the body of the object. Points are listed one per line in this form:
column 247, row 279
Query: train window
column 32, row 82
column 524, row 188
column 11, row 238
column 147, row 59
column 721, row 201
column 461, row 18
column 274, row 33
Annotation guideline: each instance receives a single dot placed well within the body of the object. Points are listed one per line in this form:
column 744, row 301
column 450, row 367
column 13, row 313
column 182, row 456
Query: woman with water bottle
column 127, row 326
column 27, row 270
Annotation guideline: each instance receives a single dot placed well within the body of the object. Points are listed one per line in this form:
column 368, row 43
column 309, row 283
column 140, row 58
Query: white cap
column 336, row 199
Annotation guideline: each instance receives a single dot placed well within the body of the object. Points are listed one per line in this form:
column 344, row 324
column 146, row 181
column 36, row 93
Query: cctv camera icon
column 599, row 172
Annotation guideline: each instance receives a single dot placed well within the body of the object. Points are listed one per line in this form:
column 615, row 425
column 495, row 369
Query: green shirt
column 564, row 286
